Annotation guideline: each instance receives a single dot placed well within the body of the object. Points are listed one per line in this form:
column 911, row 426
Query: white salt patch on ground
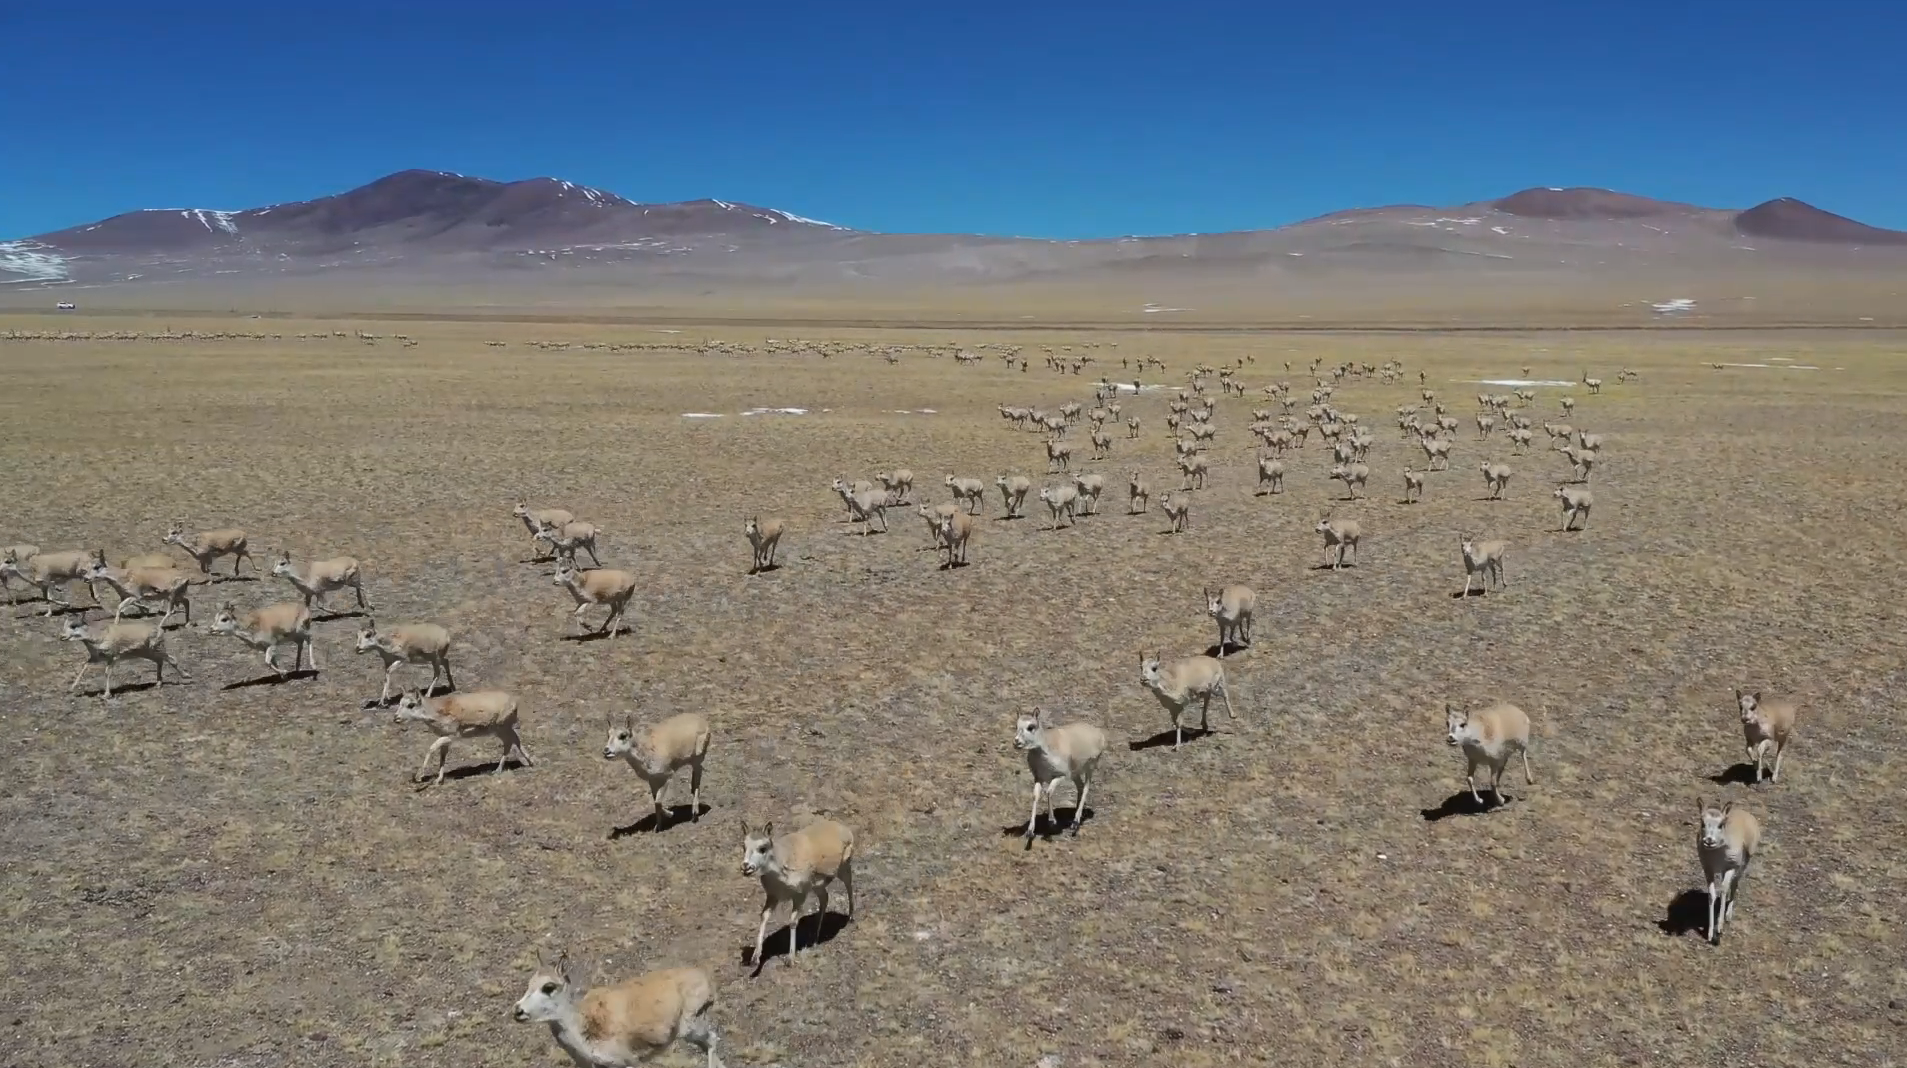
column 1127, row 387
column 776, row 411
column 1521, row 382
column 31, row 261
column 701, row 415
column 1777, row 367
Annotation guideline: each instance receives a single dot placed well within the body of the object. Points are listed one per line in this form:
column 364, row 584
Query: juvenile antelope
column 1339, row 535
column 955, row 530
column 536, row 519
column 1576, row 502
column 207, row 546
column 932, row 515
column 477, row 714
column 765, row 538
column 1132, row 427
column 970, row 491
column 1231, row 607
column 1436, row 452
column 268, row 628
column 1484, row 559
column 1102, row 444
column 412, row 643
column 605, row 586
column 794, row 866
column 1490, row 737
column 1089, row 486
column 865, row 506
column 1013, row 491
column 1054, row 753
column 1178, row 509
column 1768, row 723
column 1413, row 485
column 566, row 539
column 1353, row 476
column 656, row 755
column 321, row 578
column 1063, row 498
column 1175, row 684
column 43, row 571
column 1137, row 494
column 1726, row 842
column 1485, row 424
column 113, row 642
column 1496, row 477
column 134, row 585
column 1520, row 439
column 1059, row 455
column 626, row 1024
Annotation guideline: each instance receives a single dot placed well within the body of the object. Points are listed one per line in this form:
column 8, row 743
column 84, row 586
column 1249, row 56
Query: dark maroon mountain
column 1789, row 219
column 1582, row 202
column 433, row 209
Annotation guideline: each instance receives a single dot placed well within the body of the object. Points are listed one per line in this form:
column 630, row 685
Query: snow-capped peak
column 209, row 218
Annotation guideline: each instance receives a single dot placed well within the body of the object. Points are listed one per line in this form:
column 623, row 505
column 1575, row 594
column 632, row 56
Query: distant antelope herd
column 635, row 1019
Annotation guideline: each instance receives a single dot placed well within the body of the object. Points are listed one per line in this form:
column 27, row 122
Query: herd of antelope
column 622, row 1023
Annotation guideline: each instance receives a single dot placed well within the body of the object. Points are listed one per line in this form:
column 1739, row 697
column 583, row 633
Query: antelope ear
column 1757, row 696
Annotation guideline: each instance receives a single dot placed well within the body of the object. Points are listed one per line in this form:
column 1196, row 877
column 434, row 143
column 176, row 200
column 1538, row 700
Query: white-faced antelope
column 110, row 643
column 566, row 539
column 320, row 578
column 655, row 755
column 1231, row 608
column 764, row 536
column 207, row 546
column 1767, row 723
column 605, row 586
column 1576, row 502
column 477, row 714
column 43, row 571
column 1482, row 561
column 1489, row 737
column 1496, row 477
column 626, row 1024
column 1053, row 753
column 267, row 628
column 536, row 519
column 1726, row 843
column 1340, row 535
column 411, row 643
column 1177, row 682
column 794, row 866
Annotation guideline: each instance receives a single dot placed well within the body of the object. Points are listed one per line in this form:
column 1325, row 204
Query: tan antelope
column 268, row 628
column 764, row 537
column 477, row 714
column 43, row 571
column 1489, row 737
column 655, row 755
column 1231, row 607
column 1175, row 684
column 1054, row 753
column 1726, row 843
column 207, row 546
column 412, row 643
column 604, row 586
column 1482, row 561
column 136, row 585
column 626, row 1024
column 535, row 519
column 566, row 539
column 1767, row 723
column 794, row 866
column 113, row 642
column 321, row 578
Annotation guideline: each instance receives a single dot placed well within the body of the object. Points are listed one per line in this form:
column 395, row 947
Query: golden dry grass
column 202, row 875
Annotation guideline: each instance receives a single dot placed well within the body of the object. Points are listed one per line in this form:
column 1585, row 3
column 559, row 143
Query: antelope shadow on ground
column 1462, row 804
column 272, row 680
column 1165, row 737
column 819, row 931
column 1687, row 914
column 672, row 816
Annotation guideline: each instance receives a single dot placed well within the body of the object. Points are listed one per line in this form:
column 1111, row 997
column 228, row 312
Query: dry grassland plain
column 242, row 876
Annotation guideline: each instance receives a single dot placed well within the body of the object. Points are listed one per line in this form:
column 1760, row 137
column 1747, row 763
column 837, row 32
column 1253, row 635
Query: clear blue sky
column 1043, row 118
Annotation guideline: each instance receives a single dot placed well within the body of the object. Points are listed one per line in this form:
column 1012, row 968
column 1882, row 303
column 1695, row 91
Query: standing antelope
column 1339, row 535
column 764, row 537
column 1175, row 684
column 680, row 741
column 1231, row 607
column 1054, row 753
column 320, row 578
column 1489, row 738
column 1484, row 559
column 1767, row 723
column 1726, row 842
column 412, row 643
column 794, row 866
